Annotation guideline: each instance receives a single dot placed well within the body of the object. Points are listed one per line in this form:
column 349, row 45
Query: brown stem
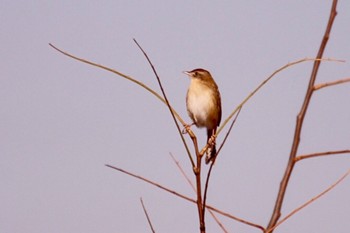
column 299, row 123
column 217, row 153
column 266, row 81
column 147, row 216
column 322, row 85
column 166, row 101
column 197, row 169
column 197, row 173
column 186, row 198
column 300, row 157
column 201, row 211
column 194, row 189
column 310, row 201
column 120, row 74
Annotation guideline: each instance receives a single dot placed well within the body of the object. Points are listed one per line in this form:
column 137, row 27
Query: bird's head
column 199, row 73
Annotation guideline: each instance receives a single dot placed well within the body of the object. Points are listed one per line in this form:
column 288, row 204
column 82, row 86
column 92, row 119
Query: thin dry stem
column 177, row 163
column 197, row 173
column 167, row 102
column 299, row 123
column 229, row 130
column 201, row 209
column 197, row 167
column 328, row 84
column 310, row 201
column 147, row 216
column 267, row 80
column 151, row 182
column 121, row 75
column 307, row 156
column 213, row 162
column 194, row 189
column 185, row 197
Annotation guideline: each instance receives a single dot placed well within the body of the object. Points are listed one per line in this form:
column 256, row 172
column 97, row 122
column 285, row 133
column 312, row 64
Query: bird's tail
column 211, row 152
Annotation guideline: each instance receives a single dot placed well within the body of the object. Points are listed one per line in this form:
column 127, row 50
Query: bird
column 203, row 104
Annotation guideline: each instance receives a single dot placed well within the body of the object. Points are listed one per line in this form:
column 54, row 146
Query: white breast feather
column 200, row 103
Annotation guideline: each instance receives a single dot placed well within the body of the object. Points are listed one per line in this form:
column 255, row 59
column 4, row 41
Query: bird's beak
column 187, row 73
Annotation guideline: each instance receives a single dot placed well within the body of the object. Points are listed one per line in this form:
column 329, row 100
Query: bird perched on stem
column 203, row 103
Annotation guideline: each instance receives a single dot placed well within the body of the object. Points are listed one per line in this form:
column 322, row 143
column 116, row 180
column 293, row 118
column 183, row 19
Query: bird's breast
column 201, row 105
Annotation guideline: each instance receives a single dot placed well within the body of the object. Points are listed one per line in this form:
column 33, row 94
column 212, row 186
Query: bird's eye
column 195, row 73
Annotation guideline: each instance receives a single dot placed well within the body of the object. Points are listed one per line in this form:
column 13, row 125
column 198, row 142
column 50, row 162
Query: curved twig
column 268, row 79
column 120, row 74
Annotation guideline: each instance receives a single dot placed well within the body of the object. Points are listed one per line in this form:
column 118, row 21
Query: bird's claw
column 186, row 128
column 212, row 140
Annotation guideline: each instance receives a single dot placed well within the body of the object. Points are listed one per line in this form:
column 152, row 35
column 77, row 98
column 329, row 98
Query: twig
column 310, row 201
column 307, row 156
column 151, row 182
column 217, row 153
column 147, row 216
column 236, row 218
column 268, row 79
column 120, row 74
column 166, row 101
column 194, row 189
column 201, row 209
column 183, row 173
column 299, row 123
column 177, row 163
column 322, row 85
column 229, row 130
column 185, row 197
column 196, row 167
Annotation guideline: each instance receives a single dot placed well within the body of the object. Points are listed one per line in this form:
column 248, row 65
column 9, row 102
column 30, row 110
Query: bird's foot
column 186, row 128
column 212, row 140
column 211, row 151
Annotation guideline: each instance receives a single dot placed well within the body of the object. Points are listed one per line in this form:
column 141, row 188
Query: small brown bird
column 204, row 105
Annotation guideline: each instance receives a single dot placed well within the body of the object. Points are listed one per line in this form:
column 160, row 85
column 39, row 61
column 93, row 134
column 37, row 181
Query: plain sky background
column 61, row 121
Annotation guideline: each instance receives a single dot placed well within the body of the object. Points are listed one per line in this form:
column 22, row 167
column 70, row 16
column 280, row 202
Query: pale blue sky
column 62, row 120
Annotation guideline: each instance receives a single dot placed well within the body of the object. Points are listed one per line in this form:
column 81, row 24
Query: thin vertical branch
column 197, row 167
column 212, row 164
column 299, row 122
column 200, row 207
column 147, row 216
column 197, row 172
column 194, row 189
column 166, row 101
